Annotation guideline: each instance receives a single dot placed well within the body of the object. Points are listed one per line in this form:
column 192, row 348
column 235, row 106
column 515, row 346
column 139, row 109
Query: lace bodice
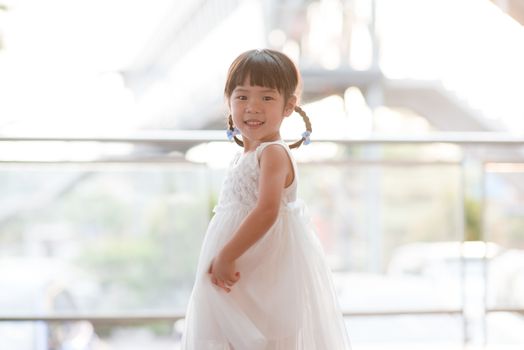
column 241, row 182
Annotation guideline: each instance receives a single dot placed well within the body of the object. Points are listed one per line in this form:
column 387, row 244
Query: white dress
column 285, row 298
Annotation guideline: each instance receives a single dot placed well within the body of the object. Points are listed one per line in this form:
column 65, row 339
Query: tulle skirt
column 284, row 299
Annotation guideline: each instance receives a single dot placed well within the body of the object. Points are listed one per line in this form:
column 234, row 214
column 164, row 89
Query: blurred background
column 113, row 149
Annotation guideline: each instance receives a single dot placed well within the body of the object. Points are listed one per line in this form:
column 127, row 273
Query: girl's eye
column 241, row 97
column 268, row 98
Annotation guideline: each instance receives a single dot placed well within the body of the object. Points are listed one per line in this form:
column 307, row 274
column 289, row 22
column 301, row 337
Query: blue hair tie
column 305, row 136
column 232, row 133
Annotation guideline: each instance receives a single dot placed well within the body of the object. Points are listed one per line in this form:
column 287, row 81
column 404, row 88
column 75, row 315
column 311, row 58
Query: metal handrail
column 175, row 316
column 172, row 317
column 197, row 136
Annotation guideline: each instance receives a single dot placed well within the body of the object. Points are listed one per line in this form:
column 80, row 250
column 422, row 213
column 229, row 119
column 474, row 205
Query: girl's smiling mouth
column 253, row 122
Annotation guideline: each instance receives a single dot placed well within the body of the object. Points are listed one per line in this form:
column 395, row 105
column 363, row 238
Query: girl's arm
column 275, row 169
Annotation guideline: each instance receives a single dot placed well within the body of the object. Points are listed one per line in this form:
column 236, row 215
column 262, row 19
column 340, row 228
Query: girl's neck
column 250, row 146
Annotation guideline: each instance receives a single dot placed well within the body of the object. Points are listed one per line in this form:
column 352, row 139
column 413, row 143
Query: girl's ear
column 290, row 106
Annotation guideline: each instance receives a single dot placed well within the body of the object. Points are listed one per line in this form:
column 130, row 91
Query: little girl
column 262, row 279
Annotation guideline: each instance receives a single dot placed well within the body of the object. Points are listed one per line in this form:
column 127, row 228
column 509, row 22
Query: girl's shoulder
column 260, row 148
column 277, row 147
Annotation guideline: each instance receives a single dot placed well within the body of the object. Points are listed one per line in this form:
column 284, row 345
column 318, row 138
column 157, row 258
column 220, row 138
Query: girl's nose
column 253, row 107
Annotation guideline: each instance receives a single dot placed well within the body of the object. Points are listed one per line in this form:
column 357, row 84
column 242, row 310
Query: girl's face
column 258, row 112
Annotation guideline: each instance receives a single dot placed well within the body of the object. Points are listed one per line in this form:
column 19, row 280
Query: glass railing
column 424, row 237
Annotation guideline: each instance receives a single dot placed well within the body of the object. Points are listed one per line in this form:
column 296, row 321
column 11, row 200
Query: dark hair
column 268, row 68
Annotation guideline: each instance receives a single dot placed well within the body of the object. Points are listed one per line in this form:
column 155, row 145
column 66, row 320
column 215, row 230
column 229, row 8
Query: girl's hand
column 223, row 273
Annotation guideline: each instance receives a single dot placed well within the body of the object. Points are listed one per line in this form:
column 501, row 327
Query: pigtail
column 232, row 131
column 305, row 136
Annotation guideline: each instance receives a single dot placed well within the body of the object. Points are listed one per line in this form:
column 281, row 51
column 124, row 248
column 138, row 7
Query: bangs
column 263, row 70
